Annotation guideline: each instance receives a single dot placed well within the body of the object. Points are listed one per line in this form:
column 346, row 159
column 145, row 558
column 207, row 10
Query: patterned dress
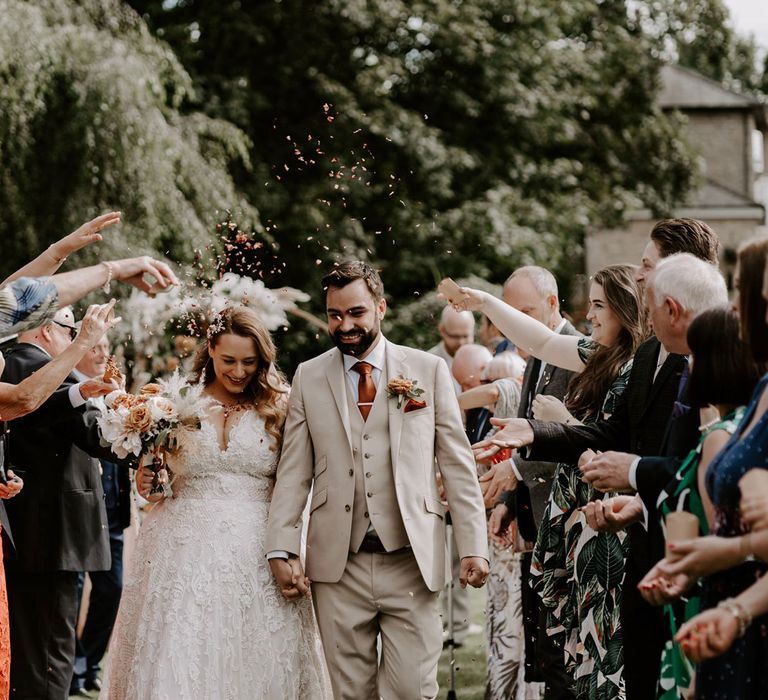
column 742, row 671
column 504, row 609
column 683, row 494
column 578, row 572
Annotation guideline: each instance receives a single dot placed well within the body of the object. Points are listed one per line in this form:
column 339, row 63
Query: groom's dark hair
column 348, row 271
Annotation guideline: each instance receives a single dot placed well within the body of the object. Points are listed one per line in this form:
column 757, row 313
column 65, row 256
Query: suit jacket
column 538, row 474
column 58, row 520
column 638, row 424
column 317, row 450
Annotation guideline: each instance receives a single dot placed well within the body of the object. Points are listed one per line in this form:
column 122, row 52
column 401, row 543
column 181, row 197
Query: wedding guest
column 467, row 368
column 489, row 336
column 106, row 586
column 532, row 291
column 724, row 557
column 723, row 375
column 643, row 424
column 16, row 401
column 58, row 521
column 500, row 393
column 580, row 590
column 456, row 330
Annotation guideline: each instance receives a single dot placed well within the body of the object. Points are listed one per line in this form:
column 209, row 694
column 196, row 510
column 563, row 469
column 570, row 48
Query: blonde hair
column 268, row 387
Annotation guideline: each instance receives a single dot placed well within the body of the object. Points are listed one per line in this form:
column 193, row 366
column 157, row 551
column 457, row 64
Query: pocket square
column 414, row 405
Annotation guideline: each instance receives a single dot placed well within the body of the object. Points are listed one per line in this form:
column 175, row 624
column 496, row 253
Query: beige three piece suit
column 376, row 475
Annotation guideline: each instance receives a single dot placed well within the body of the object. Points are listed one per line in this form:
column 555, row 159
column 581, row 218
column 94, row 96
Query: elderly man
column 643, row 424
column 58, row 521
column 106, row 586
column 456, row 328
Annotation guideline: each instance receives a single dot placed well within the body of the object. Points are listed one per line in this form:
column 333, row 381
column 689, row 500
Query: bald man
column 456, row 328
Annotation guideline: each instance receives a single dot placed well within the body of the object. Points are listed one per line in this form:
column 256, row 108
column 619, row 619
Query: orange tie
column 366, row 389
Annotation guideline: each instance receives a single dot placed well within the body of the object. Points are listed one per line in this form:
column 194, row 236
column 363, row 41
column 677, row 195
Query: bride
column 201, row 616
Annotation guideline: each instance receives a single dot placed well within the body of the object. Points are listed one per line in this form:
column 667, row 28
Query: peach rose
column 139, row 418
column 162, row 408
column 126, row 401
column 150, row 389
column 400, row 385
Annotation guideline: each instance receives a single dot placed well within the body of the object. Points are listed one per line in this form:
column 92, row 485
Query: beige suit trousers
column 380, row 594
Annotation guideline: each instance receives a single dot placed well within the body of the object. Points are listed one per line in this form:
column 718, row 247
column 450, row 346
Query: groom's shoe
column 80, row 693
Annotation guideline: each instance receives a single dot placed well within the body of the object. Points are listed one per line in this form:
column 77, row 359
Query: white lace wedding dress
column 201, row 617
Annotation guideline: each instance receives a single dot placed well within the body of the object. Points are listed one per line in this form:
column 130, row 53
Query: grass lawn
column 470, row 659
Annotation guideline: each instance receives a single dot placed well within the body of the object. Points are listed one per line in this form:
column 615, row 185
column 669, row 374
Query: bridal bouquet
column 153, row 422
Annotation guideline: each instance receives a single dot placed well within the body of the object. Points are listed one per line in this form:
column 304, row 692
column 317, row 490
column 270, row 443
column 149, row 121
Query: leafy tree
column 91, row 121
column 434, row 137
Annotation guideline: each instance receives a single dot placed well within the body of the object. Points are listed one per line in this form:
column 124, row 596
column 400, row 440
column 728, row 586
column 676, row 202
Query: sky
column 750, row 17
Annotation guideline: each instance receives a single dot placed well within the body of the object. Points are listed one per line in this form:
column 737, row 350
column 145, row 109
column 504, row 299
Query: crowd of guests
column 63, row 509
column 625, row 475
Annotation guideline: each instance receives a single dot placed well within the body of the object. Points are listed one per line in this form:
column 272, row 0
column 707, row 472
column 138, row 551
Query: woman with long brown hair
column 577, row 571
column 201, row 615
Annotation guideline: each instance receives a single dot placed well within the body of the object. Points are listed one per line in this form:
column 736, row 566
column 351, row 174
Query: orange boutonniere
column 401, row 388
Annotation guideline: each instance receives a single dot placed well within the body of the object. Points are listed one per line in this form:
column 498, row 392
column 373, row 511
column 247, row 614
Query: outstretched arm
column 52, row 257
column 538, row 340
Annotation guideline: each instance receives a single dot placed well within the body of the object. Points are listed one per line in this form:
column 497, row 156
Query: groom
column 376, row 538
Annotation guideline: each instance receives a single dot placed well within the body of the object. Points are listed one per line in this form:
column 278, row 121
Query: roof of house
column 683, row 88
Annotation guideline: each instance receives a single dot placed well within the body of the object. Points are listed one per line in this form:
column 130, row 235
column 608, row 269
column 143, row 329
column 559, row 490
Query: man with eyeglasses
column 58, row 520
column 456, row 328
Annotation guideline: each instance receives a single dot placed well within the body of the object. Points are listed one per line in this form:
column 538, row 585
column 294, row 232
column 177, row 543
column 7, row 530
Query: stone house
column 729, row 132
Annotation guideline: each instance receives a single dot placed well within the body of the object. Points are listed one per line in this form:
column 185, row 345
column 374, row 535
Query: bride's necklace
column 231, row 408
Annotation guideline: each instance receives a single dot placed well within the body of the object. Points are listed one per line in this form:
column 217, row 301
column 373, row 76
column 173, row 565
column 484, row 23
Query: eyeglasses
column 72, row 329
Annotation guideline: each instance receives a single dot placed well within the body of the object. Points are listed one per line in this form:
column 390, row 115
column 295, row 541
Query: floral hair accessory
column 217, row 326
column 401, row 388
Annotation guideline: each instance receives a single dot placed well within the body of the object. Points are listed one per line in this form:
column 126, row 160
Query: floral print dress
column 579, row 572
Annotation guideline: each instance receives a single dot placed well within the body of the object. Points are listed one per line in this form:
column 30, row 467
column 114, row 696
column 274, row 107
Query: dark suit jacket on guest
column 58, row 520
column 538, row 474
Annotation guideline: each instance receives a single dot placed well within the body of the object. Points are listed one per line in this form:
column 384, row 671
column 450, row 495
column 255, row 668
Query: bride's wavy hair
column 268, row 387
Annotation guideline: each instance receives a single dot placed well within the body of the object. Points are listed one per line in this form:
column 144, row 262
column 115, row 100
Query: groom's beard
column 355, row 343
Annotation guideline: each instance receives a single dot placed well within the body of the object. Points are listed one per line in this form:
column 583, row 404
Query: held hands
column 474, row 571
column 12, row 488
column 290, row 577
column 708, row 635
column 552, row 409
column 514, row 432
column 608, row 471
column 613, row 514
column 499, row 478
column 85, row 235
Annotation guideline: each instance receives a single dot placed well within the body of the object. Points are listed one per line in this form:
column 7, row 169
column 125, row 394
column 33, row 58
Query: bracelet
column 745, row 547
column 108, row 283
column 56, row 258
column 738, row 611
